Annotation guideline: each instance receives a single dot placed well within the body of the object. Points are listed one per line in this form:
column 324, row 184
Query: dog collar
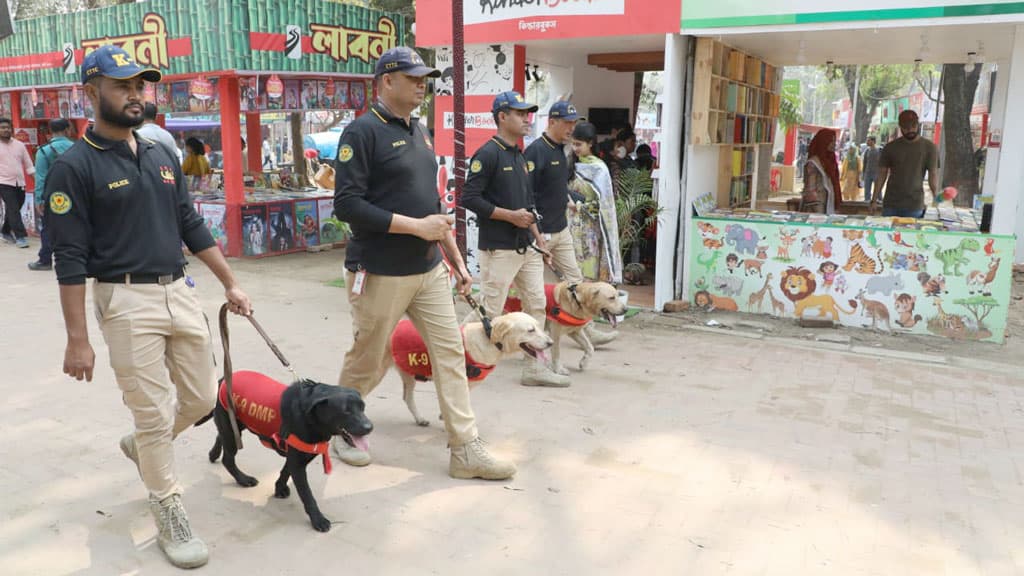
column 321, row 448
column 557, row 314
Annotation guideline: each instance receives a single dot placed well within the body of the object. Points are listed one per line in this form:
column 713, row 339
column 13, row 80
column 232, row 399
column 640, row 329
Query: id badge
column 359, row 282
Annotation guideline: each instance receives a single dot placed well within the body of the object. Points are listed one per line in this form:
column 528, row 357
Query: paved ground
column 681, row 451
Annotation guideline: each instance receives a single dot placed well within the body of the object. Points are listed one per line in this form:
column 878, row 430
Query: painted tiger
column 863, row 263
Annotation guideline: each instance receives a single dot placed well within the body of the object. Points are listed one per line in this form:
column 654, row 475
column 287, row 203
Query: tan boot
column 598, row 337
column 175, row 538
column 537, row 374
column 349, row 454
column 130, row 451
column 473, row 461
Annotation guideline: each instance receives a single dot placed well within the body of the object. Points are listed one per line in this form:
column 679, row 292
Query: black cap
column 404, row 59
column 113, row 62
column 511, row 100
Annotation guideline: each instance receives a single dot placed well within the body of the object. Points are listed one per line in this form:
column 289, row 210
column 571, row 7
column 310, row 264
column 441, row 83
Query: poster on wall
column 213, row 217
column 254, row 229
column 247, row 94
column 340, row 95
column 329, row 231
column 281, row 222
column 307, row 229
column 5, row 105
column 309, row 98
column 948, row 284
column 325, row 93
column 291, row 95
column 357, row 95
column 179, row 97
column 489, row 70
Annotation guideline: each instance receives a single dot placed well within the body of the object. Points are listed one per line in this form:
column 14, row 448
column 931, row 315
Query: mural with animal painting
column 930, row 282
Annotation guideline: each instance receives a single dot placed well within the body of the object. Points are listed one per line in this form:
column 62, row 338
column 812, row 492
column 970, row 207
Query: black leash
column 225, row 342
column 478, row 308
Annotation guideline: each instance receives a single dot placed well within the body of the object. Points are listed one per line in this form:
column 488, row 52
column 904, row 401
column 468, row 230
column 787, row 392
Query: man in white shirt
column 153, row 131
column 15, row 163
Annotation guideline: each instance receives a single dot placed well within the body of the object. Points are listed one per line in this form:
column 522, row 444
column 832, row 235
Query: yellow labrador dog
column 510, row 333
column 570, row 307
column 324, row 177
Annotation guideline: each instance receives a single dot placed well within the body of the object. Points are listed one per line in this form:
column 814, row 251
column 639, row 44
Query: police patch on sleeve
column 529, row 166
column 60, row 203
column 476, row 166
column 345, row 153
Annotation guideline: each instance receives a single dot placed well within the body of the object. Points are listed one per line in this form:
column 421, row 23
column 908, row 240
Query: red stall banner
column 491, row 21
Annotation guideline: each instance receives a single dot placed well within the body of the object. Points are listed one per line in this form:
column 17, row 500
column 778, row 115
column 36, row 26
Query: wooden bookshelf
column 736, row 102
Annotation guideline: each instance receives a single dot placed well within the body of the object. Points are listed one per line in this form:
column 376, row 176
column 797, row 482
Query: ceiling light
column 972, row 60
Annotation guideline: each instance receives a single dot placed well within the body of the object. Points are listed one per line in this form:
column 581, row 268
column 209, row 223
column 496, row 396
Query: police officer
column 385, row 189
column 498, row 190
column 118, row 213
column 549, row 177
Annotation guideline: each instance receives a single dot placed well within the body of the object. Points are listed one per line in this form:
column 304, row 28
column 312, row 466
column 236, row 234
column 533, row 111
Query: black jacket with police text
column 112, row 212
column 498, row 177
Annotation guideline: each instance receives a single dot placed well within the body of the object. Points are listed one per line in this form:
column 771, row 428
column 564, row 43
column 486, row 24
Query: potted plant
column 636, row 211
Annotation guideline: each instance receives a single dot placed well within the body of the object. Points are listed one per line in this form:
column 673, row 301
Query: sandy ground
column 756, row 449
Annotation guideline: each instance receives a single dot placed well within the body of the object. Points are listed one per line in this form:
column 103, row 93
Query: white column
column 1008, row 212
column 670, row 167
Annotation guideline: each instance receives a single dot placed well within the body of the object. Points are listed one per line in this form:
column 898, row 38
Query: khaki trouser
column 563, row 255
column 427, row 300
column 499, row 269
column 159, row 345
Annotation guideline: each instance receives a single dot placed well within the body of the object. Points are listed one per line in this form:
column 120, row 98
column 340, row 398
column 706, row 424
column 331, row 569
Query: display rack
column 735, row 106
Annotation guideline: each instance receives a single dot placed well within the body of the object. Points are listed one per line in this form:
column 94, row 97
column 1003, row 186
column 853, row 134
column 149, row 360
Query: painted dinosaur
column 954, row 257
column 709, row 263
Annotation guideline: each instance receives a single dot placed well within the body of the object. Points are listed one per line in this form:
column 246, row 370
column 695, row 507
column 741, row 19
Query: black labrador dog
column 296, row 421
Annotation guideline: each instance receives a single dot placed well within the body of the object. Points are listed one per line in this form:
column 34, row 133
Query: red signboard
column 479, row 124
column 490, row 21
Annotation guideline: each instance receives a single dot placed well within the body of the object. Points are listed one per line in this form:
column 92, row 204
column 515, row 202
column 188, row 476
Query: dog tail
column 204, row 419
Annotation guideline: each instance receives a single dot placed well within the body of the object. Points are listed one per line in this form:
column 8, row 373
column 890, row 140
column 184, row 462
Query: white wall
column 1008, row 213
column 592, row 87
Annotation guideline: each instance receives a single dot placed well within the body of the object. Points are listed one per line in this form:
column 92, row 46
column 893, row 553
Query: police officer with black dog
column 118, row 213
column 511, row 247
column 385, row 189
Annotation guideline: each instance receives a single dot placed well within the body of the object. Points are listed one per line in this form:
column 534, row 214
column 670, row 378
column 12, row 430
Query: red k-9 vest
column 409, row 352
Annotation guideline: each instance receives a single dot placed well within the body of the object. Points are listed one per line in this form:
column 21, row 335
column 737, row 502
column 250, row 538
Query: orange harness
column 556, row 313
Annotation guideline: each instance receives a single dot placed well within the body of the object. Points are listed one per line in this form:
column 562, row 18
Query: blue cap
column 563, row 110
column 113, row 62
column 404, row 59
column 511, row 100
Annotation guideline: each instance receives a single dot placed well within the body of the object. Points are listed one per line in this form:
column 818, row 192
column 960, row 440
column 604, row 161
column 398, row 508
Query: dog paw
column 422, row 422
column 561, row 370
column 247, row 481
column 282, row 491
column 320, row 524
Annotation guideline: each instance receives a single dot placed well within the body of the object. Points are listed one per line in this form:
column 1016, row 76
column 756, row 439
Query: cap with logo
column 113, row 62
column 563, row 110
column 404, row 59
column 511, row 100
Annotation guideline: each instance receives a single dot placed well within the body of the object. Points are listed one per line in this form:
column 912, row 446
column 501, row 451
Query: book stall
column 227, row 62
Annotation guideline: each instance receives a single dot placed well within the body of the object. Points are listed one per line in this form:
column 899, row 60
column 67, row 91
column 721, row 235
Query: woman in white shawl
column 592, row 210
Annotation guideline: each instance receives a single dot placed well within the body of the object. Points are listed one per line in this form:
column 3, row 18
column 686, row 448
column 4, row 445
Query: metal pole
column 459, row 109
column 854, row 136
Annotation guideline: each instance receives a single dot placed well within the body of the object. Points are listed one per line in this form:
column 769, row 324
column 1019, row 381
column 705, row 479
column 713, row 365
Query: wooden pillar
column 254, row 142
column 231, row 144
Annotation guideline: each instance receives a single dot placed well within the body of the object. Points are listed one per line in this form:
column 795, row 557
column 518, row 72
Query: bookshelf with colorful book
column 736, row 102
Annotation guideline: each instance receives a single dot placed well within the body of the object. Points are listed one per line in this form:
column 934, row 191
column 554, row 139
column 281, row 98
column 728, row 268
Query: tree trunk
column 861, row 118
column 959, row 169
column 299, row 163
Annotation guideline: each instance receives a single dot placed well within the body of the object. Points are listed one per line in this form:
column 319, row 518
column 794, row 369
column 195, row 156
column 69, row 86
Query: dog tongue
column 542, row 356
column 361, row 443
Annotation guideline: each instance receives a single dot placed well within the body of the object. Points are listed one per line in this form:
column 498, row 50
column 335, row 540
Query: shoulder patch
column 476, row 166
column 530, row 166
column 345, row 153
column 60, row 203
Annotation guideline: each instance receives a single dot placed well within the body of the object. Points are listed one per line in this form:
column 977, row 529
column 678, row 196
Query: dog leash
column 477, row 307
column 225, row 342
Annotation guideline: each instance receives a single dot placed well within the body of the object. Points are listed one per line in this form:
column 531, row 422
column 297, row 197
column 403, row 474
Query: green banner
column 203, row 36
column 734, row 13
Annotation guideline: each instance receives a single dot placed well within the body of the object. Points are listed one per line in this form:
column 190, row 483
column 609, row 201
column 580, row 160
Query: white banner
column 483, row 11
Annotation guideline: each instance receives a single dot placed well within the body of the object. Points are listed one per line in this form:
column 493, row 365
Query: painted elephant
column 744, row 239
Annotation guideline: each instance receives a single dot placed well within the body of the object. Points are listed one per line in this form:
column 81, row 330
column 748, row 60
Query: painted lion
column 708, row 301
column 798, row 285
